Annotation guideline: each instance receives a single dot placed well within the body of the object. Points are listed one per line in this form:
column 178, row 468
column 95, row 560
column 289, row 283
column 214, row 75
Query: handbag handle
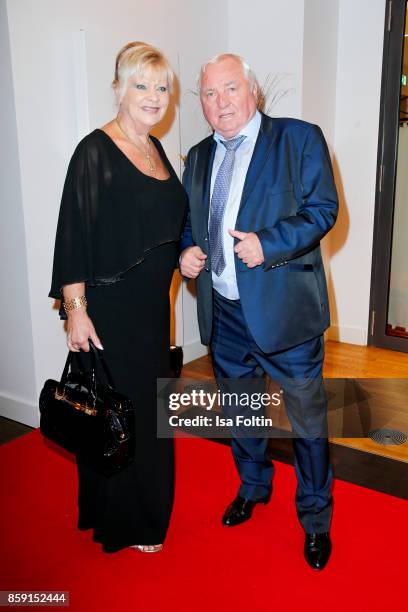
column 96, row 357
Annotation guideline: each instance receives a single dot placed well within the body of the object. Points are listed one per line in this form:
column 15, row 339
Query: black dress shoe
column 317, row 549
column 241, row 510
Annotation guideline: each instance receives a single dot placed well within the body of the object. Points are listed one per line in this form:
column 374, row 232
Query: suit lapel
column 201, row 175
column 261, row 153
column 209, row 156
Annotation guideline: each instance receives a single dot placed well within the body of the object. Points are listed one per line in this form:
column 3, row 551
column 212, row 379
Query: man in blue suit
column 262, row 196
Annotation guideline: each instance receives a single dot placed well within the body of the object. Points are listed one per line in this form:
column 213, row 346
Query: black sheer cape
column 111, row 215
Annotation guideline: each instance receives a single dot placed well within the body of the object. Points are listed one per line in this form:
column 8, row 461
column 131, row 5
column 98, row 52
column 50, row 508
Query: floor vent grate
column 387, row 436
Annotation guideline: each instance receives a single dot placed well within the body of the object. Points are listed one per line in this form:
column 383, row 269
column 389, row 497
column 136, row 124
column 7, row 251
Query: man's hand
column 249, row 249
column 192, row 261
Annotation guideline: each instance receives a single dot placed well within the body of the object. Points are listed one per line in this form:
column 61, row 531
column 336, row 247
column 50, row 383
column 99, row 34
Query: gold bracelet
column 75, row 303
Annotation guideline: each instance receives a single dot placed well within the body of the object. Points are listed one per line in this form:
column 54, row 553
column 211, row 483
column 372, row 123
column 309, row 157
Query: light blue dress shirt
column 226, row 283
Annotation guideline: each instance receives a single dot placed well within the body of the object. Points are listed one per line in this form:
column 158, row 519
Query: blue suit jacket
column 289, row 199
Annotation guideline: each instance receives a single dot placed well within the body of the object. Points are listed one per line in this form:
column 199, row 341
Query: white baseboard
column 351, row 335
column 194, row 350
column 19, row 409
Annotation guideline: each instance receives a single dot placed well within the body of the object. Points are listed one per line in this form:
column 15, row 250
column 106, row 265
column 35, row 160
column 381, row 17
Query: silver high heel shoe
column 148, row 548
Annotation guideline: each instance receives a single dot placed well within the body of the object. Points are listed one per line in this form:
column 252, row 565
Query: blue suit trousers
column 298, row 371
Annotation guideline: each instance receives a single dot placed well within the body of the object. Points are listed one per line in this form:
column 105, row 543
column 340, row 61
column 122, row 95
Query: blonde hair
column 136, row 58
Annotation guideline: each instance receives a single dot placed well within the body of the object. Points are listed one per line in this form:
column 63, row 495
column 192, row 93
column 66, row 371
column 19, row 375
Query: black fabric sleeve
column 73, row 253
column 111, row 215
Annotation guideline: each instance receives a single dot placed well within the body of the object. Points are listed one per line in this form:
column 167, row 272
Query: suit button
column 206, row 239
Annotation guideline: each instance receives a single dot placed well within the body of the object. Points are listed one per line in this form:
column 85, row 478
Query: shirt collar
column 250, row 130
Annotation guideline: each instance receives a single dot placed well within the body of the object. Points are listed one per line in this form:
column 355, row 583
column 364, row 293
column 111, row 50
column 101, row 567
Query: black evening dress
column 118, row 232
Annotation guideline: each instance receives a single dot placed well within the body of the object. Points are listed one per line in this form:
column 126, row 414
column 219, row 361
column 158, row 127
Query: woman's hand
column 80, row 326
column 80, row 329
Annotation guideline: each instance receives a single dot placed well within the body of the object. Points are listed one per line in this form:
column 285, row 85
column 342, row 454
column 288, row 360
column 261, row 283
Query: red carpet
column 254, row 567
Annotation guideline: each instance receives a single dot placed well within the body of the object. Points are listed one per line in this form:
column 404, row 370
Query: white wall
column 17, row 372
column 320, row 65
column 359, row 53
column 269, row 35
column 319, row 84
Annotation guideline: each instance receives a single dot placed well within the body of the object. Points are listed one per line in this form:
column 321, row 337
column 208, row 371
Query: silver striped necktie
column 218, row 202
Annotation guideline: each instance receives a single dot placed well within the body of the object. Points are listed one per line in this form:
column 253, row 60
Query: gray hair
column 249, row 74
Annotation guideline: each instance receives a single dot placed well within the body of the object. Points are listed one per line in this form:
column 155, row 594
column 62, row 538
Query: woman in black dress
column 116, row 248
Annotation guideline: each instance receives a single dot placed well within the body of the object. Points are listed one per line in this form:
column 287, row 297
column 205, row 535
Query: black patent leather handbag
column 85, row 415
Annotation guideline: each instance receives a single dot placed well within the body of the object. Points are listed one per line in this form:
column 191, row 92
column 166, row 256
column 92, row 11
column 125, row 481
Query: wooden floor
column 352, row 361
column 347, row 361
